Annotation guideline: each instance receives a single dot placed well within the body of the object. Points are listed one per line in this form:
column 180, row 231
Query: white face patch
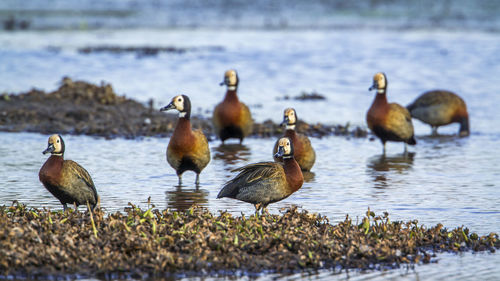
column 179, row 103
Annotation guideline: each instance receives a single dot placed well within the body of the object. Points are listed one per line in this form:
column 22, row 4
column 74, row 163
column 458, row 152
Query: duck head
column 182, row 104
column 55, row 145
column 379, row 83
column 285, row 148
column 289, row 119
column 230, row 80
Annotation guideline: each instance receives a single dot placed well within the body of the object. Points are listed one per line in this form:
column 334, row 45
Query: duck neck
column 464, row 126
column 293, row 173
column 55, row 162
column 183, row 126
column 291, row 134
column 231, row 95
column 380, row 98
column 290, row 127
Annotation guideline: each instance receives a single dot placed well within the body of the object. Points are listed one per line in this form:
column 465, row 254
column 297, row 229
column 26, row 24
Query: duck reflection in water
column 380, row 167
column 182, row 198
column 232, row 153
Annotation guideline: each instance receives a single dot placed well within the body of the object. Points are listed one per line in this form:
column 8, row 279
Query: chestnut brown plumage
column 187, row 148
column 65, row 179
column 232, row 118
column 439, row 108
column 303, row 152
column 266, row 182
column 388, row 121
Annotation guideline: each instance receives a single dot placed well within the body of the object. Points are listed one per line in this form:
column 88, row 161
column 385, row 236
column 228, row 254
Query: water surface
column 448, row 180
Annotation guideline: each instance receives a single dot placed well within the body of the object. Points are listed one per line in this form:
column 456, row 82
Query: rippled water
column 449, row 180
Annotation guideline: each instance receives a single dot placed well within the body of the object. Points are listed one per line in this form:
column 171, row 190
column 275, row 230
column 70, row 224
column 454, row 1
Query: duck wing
column 256, row 181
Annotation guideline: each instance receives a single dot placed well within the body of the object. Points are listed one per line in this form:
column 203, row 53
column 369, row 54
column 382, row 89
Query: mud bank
column 140, row 243
column 81, row 108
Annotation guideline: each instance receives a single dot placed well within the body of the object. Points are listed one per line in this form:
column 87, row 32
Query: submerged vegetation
column 147, row 243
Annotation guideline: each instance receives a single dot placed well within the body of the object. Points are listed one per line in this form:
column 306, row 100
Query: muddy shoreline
column 39, row 243
column 81, row 108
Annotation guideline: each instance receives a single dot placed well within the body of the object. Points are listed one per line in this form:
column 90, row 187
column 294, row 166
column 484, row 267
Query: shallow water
column 449, row 180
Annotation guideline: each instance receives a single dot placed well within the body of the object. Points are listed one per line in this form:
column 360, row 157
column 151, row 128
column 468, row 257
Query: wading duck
column 187, row 148
column 65, row 179
column 440, row 107
column 303, row 152
column 388, row 121
column 266, row 182
column 232, row 118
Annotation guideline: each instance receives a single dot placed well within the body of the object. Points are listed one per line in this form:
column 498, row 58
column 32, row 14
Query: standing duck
column 303, row 151
column 266, row 182
column 388, row 121
column 232, row 118
column 65, row 179
column 441, row 107
column 187, row 148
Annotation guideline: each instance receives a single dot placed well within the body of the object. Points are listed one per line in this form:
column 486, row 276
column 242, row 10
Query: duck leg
column 65, row 207
column 434, row 130
column 180, row 178
column 197, row 181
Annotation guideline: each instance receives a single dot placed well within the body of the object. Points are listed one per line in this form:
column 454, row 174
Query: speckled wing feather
column 81, row 173
column 257, row 183
column 435, row 97
column 399, row 121
column 246, row 116
column 202, row 149
column 308, row 155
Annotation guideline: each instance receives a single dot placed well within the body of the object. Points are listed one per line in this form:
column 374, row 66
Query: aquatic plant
column 145, row 243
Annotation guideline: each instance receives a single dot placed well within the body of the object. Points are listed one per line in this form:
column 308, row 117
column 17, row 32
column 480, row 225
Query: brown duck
column 439, row 108
column 303, row 151
column 65, row 179
column 187, row 148
column 388, row 121
column 232, row 118
column 266, row 182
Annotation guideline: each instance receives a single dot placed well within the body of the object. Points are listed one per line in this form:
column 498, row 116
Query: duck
column 187, row 149
column 264, row 183
column 304, row 153
column 232, row 118
column 69, row 182
column 388, row 121
column 439, row 108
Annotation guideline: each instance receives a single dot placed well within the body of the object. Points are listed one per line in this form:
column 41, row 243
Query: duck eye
column 57, row 141
column 179, row 99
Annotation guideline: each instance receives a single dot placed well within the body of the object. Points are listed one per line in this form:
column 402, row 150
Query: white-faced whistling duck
column 65, row 179
column 439, row 108
column 232, row 118
column 266, row 182
column 303, row 151
column 388, row 121
column 187, row 148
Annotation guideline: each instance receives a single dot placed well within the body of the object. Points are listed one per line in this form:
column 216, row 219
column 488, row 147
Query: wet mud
column 39, row 243
column 81, row 108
